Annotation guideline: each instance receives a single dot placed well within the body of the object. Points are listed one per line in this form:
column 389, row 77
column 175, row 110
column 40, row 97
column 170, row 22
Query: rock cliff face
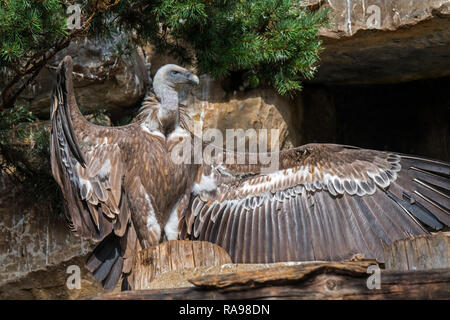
column 104, row 79
column 257, row 109
column 31, row 237
column 362, row 95
column 377, row 41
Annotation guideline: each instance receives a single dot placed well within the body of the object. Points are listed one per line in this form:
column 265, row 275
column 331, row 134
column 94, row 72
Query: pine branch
column 38, row 60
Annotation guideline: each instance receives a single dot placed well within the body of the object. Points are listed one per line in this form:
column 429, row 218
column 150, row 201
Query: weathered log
column 280, row 275
column 318, row 281
column 175, row 255
column 419, row 253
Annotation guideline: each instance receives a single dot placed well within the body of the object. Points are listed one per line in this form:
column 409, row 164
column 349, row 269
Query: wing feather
column 247, row 235
column 287, row 232
column 326, row 202
column 87, row 164
column 331, row 230
column 304, row 235
column 240, row 231
column 294, row 227
column 261, row 235
column 231, row 233
column 271, row 227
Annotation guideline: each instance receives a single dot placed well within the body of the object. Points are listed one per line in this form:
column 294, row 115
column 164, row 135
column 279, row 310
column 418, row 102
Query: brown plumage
column 118, row 183
column 326, row 202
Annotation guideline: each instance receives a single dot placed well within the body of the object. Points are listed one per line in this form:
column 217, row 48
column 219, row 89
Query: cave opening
column 410, row 117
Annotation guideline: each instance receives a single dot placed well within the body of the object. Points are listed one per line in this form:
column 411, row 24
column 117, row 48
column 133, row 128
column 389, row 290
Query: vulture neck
column 168, row 115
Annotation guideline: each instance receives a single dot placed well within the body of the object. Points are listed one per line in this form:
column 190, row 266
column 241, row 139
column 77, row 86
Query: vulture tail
column 112, row 258
column 106, row 261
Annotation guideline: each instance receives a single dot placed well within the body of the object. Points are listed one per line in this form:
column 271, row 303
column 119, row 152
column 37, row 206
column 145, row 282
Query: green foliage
column 23, row 140
column 272, row 42
column 13, row 116
column 25, row 154
column 29, row 26
column 123, row 46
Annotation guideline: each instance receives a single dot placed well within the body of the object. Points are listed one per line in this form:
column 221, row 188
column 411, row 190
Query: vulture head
column 172, row 77
column 167, row 83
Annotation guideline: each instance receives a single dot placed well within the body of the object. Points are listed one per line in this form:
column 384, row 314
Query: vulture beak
column 193, row 79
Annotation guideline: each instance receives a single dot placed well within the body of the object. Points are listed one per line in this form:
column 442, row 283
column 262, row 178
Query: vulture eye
column 173, row 73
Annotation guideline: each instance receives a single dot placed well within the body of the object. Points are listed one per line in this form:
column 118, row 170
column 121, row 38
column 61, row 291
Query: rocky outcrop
column 50, row 282
column 377, row 41
column 103, row 78
column 31, row 236
column 37, row 248
column 256, row 109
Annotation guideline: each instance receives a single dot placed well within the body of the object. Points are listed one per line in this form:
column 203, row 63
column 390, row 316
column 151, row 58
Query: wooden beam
column 347, row 280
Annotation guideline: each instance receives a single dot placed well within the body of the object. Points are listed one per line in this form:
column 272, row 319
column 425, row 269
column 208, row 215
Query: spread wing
column 87, row 164
column 327, row 202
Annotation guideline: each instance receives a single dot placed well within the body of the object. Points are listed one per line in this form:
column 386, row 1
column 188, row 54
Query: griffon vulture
column 326, row 202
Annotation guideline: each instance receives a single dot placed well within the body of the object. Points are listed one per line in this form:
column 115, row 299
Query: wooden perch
column 202, row 263
column 175, row 255
column 280, row 275
column 346, row 280
column 419, row 253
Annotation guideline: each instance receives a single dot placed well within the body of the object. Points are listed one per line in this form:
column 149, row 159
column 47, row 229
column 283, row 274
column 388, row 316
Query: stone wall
column 103, row 78
column 31, row 237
